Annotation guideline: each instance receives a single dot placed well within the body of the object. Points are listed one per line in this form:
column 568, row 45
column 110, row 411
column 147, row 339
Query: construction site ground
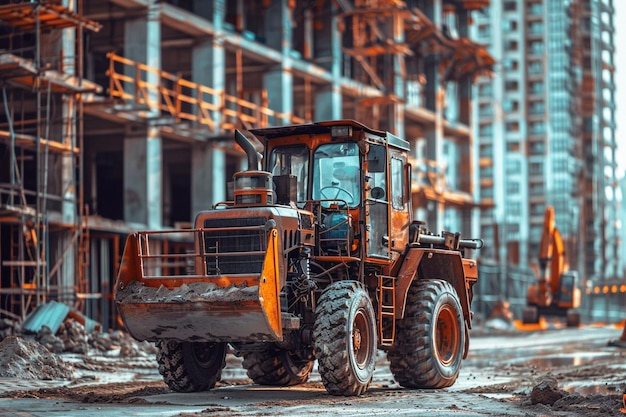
column 549, row 371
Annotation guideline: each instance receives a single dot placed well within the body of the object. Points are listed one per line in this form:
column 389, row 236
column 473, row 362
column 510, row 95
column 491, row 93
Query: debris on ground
column 546, row 391
column 546, row 394
column 21, row 358
column 26, row 354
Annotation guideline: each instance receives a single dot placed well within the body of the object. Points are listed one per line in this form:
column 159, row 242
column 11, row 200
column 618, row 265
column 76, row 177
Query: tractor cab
column 354, row 179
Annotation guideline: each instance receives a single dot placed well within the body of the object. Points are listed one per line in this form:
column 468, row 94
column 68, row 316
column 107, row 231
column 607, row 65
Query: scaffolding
column 33, row 84
column 377, row 74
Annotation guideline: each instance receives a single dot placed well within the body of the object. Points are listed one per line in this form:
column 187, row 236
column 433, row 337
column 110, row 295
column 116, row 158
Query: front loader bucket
column 170, row 295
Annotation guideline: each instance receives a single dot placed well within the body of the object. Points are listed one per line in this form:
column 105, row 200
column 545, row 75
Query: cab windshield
column 336, row 173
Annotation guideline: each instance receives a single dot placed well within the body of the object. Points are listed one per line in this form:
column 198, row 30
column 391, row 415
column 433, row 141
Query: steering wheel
column 338, row 190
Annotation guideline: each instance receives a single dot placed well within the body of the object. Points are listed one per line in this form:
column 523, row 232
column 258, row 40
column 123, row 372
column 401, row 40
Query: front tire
column 275, row 366
column 430, row 339
column 190, row 367
column 345, row 338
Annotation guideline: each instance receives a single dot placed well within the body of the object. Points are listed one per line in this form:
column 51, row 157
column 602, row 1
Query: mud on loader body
column 316, row 257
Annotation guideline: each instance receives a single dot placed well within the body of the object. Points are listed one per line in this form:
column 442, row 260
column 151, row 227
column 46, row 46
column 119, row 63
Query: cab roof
column 324, row 127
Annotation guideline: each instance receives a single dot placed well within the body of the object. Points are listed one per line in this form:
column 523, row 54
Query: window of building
column 509, row 105
column 512, row 126
column 511, row 85
column 485, row 90
column 512, row 146
column 512, row 228
column 509, row 25
column 486, row 192
column 535, row 67
column 513, row 167
column 510, row 6
column 537, row 107
column 537, row 148
column 485, row 109
column 512, row 187
column 536, row 28
column 511, row 45
column 486, row 130
column 536, row 47
column 513, row 208
column 535, row 168
column 484, row 31
column 537, row 128
column 537, row 87
column 536, row 189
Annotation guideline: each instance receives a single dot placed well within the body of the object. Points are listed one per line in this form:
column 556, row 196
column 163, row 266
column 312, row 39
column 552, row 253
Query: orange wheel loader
column 315, row 257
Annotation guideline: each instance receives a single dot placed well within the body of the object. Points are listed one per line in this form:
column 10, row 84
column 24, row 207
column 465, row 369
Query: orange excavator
column 556, row 292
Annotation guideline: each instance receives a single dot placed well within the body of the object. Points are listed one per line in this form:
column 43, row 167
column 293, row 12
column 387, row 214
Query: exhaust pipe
column 248, row 147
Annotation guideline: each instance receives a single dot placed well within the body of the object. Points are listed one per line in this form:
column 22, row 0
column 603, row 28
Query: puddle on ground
column 591, row 389
column 548, row 362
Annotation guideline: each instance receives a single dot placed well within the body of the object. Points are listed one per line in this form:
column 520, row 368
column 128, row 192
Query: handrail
column 157, row 92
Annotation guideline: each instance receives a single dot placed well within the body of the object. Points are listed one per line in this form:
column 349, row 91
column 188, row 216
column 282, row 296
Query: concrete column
column 143, row 161
column 142, row 43
column 328, row 101
column 208, row 177
column 208, row 67
column 143, row 178
column 278, row 81
column 208, row 59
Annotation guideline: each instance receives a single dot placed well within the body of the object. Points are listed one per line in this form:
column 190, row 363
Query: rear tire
column 275, row 366
column 190, row 367
column 530, row 315
column 345, row 338
column 430, row 339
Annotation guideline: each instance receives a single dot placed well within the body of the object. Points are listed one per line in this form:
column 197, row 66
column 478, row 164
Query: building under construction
column 120, row 115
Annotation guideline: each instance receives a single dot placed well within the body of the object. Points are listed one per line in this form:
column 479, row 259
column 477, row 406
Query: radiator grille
column 236, row 246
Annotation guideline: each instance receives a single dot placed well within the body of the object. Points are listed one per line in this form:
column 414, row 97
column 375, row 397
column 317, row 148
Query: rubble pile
column 547, row 393
column 114, row 340
column 72, row 337
column 38, row 355
column 21, row 358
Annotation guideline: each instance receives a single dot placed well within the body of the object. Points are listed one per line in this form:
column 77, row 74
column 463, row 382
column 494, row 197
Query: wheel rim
column 361, row 340
column 204, row 354
column 447, row 336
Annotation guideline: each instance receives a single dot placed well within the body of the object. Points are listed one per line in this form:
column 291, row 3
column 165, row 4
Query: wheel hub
column 356, row 339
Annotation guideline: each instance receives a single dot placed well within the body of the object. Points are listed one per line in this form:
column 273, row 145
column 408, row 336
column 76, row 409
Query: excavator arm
column 551, row 260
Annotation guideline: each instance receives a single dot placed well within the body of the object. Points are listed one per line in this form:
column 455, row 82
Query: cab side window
column 397, row 183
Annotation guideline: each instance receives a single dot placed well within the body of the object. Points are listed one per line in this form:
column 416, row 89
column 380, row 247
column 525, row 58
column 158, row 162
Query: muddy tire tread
column 178, row 371
column 330, row 335
column 273, row 366
column 412, row 359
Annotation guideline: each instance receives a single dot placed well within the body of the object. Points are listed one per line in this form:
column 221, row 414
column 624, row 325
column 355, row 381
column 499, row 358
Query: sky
column 620, row 80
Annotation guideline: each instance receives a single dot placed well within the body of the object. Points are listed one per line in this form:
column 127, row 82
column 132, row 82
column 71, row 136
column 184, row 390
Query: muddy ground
column 551, row 372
